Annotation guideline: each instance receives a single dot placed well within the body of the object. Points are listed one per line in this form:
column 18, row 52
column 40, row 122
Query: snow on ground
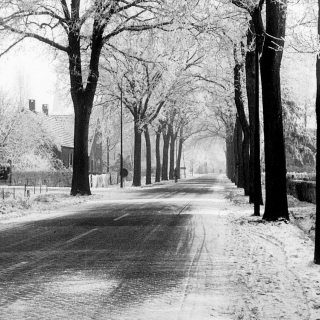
column 56, row 198
column 275, row 264
column 273, row 261
column 42, row 204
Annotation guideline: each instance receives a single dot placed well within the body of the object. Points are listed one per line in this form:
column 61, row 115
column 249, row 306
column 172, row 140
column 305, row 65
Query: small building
column 61, row 129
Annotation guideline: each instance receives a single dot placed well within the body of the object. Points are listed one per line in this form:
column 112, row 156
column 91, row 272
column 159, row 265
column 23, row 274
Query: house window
column 92, row 169
column 70, row 159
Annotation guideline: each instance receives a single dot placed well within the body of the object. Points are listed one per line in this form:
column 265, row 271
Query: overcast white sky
column 38, row 70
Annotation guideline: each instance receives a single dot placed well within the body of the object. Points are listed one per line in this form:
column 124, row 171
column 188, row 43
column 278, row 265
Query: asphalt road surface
column 151, row 253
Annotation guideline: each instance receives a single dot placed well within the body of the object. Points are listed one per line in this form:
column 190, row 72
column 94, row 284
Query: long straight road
column 162, row 252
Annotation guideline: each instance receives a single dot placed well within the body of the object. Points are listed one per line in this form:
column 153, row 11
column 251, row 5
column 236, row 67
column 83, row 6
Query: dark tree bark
column 275, row 162
column 317, row 230
column 180, row 144
column 108, row 154
column 238, row 98
column 148, row 155
column 141, row 114
column 172, row 150
column 80, row 177
column 230, row 158
column 165, row 153
column 246, row 164
column 239, row 150
column 236, row 154
column 257, row 24
column 137, row 156
column 251, row 96
column 227, row 154
column 158, row 157
column 82, row 99
column 260, row 36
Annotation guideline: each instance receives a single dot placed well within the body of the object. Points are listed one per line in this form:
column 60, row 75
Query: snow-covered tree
column 80, row 29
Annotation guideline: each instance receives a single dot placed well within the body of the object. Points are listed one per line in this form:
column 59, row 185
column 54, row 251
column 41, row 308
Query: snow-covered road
column 181, row 251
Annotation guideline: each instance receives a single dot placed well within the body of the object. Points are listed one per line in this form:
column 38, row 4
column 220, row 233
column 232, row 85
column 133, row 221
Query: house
column 61, row 129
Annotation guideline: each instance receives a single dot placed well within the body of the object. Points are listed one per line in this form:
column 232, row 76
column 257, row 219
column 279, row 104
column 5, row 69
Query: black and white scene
column 158, row 160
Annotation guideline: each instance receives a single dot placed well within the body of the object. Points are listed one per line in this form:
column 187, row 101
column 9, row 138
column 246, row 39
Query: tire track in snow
column 274, row 288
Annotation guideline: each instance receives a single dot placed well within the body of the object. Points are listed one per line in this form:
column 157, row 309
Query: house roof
column 65, row 123
column 61, row 129
column 57, row 130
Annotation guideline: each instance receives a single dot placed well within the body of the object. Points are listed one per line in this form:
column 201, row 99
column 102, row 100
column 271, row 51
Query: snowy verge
column 276, row 266
column 276, row 261
column 41, row 204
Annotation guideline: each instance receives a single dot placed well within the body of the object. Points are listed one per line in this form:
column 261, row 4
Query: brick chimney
column 32, row 105
column 45, row 109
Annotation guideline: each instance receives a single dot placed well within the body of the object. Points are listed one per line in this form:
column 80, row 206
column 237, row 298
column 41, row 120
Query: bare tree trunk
column 148, row 155
column 245, row 143
column 158, row 159
column 172, row 150
column 317, row 231
column 275, row 162
column 80, row 177
column 239, row 146
column 246, row 164
column 82, row 99
column 251, row 95
column 165, row 153
column 137, row 156
column 108, row 155
column 236, row 155
column 230, row 158
column 178, row 161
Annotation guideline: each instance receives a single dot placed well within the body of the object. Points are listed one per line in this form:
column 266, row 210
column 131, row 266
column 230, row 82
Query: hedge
column 49, row 178
column 61, row 178
column 302, row 190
